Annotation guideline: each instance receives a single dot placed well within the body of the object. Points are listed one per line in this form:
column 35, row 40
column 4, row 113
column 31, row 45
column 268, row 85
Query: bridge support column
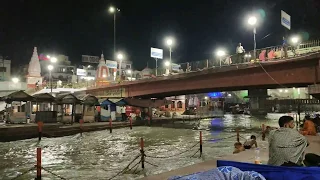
column 257, row 101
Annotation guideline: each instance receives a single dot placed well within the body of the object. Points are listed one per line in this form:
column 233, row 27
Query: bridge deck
column 226, row 68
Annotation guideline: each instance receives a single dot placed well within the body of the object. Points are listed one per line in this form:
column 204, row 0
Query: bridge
column 291, row 72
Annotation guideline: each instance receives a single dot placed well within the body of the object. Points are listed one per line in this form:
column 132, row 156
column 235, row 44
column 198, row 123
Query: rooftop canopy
column 44, row 97
column 17, row 96
column 68, row 99
column 89, row 99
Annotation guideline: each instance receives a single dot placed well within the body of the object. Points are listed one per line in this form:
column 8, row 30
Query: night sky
column 74, row 28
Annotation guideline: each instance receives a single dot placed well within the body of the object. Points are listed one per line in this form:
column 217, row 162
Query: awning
column 44, row 97
column 17, row 96
column 106, row 103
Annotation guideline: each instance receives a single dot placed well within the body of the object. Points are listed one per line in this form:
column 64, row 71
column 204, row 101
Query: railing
column 264, row 54
column 272, row 53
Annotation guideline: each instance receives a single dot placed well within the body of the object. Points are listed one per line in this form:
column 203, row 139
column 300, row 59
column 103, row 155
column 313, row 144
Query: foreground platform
column 246, row 156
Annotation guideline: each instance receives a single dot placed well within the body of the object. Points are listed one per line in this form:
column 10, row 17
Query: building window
column 166, row 106
column 3, row 69
column 179, row 104
column 173, row 104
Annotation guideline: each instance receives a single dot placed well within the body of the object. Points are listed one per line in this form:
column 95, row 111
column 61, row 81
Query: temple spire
column 34, row 68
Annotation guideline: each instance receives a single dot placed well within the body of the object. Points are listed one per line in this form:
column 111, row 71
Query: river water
column 101, row 155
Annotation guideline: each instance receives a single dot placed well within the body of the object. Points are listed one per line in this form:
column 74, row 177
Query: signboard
column 111, row 93
column 156, row 53
column 90, row 59
column 111, row 64
column 176, row 67
column 81, row 72
column 285, row 20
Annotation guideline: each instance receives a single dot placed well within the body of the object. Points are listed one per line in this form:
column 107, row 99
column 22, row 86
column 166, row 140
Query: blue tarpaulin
column 276, row 172
column 106, row 103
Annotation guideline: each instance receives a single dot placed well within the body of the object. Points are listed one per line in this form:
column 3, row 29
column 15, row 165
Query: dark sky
column 79, row 27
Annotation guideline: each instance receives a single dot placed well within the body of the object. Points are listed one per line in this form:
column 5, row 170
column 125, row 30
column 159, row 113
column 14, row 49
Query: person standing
column 123, row 113
column 240, row 53
column 285, row 47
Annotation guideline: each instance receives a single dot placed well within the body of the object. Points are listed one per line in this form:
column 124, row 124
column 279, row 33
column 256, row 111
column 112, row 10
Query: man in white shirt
column 240, row 53
column 123, row 113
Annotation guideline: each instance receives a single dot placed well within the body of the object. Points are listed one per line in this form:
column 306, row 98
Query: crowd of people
column 265, row 54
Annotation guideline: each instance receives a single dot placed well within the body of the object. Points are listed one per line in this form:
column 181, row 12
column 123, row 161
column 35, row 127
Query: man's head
column 237, row 145
column 286, row 121
column 253, row 137
column 239, row 44
column 307, row 117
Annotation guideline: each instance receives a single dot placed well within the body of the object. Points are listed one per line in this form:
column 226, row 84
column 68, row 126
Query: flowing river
column 101, row 155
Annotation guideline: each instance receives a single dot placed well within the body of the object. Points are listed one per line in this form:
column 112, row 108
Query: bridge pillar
column 257, row 101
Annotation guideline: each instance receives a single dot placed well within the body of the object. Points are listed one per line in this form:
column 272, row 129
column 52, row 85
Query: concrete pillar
column 257, row 101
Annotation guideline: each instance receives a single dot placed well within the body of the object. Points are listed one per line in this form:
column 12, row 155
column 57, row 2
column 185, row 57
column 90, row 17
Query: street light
column 50, row 68
column 295, row 40
column 114, row 10
column 15, row 80
column 169, row 43
column 120, row 58
column 53, row 59
column 252, row 21
column 167, row 63
column 220, row 53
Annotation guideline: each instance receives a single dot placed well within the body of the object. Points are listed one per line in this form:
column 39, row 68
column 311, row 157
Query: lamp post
column 295, row 40
column 252, row 21
column 50, row 68
column 114, row 10
column 220, row 54
column 167, row 65
column 169, row 43
column 120, row 58
column 295, row 43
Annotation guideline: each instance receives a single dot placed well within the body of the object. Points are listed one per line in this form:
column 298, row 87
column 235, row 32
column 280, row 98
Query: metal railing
column 264, row 54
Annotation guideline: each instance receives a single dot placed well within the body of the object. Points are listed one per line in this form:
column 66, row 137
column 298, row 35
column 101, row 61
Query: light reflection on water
column 102, row 155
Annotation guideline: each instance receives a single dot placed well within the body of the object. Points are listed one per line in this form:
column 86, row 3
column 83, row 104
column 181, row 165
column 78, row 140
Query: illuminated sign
column 111, row 64
column 81, row 72
column 156, row 53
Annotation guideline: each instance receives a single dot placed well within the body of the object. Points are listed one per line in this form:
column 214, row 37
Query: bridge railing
column 272, row 53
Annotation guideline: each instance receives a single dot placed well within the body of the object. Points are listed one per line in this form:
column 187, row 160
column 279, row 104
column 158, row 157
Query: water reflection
column 102, row 155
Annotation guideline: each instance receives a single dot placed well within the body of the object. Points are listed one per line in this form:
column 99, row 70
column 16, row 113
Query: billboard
column 90, row 59
column 176, row 67
column 111, row 64
column 156, row 53
column 285, row 20
column 81, row 72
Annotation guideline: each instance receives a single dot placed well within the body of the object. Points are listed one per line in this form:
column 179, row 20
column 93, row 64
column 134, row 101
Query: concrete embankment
column 246, row 156
column 13, row 132
column 28, row 131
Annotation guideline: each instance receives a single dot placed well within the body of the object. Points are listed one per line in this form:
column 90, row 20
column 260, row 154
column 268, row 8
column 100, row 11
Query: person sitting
column 309, row 127
column 248, row 144
column 238, row 147
column 286, row 145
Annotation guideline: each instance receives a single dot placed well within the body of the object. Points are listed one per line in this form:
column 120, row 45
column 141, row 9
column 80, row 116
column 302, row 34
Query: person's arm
column 236, row 151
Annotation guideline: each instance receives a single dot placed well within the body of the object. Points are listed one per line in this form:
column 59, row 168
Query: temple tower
column 34, row 71
column 102, row 73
